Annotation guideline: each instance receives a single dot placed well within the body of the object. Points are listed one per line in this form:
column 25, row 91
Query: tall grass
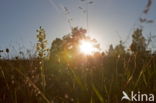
column 96, row 82
column 76, row 78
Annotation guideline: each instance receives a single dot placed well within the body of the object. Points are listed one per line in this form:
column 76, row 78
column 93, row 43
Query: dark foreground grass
column 98, row 79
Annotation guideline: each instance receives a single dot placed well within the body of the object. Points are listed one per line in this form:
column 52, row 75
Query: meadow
column 62, row 74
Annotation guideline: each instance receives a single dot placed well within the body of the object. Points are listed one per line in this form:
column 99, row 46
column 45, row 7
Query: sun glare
column 87, row 47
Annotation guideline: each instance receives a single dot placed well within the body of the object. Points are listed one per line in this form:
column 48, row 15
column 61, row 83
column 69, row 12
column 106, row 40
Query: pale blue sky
column 109, row 20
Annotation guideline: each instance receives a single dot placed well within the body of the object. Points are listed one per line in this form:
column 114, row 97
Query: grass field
column 100, row 79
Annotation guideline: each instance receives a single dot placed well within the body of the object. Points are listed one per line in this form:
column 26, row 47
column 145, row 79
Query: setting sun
column 87, row 47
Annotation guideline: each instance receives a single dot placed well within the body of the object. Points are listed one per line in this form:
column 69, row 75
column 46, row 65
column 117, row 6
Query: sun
column 87, row 47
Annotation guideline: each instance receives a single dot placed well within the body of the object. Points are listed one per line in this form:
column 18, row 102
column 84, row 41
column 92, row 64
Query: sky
column 109, row 21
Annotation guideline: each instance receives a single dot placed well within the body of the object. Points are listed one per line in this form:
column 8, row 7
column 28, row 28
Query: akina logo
column 138, row 97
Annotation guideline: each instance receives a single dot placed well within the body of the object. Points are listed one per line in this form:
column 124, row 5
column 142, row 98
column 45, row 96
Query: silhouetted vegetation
column 64, row 75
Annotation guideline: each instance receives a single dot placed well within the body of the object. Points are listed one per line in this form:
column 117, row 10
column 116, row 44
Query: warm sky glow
column 87, row 47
